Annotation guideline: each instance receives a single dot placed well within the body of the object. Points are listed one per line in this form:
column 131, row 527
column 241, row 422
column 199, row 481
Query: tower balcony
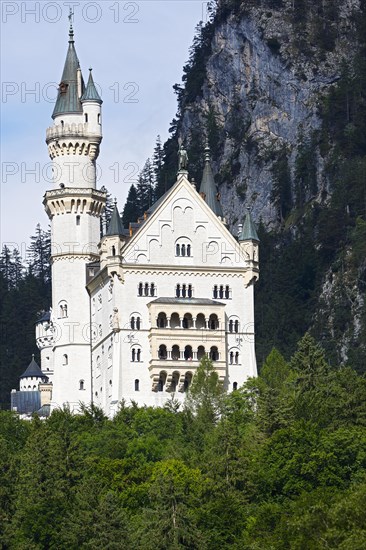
column 70, row 131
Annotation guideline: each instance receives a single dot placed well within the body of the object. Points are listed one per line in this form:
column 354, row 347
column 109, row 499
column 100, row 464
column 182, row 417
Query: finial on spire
column 32, row 355
column 115, row 201
column 71, row 30
column 207, row 151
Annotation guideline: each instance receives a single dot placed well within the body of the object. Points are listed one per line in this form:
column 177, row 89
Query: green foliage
column 279, row 463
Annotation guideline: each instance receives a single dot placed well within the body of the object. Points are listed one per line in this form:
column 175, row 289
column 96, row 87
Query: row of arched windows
column 222, row 292
column 176, row 377
column 146, row 289
column 187, row 321
column 188, row 354
column 234, row 357
column 183, row 249
column 184, row 291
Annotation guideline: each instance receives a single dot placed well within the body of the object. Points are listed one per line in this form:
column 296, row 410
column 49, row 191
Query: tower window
column 77, row 220
column 137, row 385
column 65, row 359
column 98, row 118
column 178, row 250
column 140, row 289
column 235, row 386
column 86, row 117
column 81, row 385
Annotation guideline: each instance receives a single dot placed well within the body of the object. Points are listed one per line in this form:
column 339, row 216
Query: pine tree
column 130, row 212
column 158, row 163
column 39, row 252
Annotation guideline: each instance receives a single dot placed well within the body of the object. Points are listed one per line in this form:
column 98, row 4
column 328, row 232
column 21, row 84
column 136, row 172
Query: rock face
column 264, row 91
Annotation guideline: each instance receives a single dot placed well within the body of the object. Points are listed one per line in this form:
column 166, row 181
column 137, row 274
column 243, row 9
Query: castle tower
column 74, row 207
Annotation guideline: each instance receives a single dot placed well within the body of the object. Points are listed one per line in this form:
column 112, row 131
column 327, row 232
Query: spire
column 72, row 85
column 208, row 189
column 91, row 93
column 115, row 226
column 32, row 370
column 249, row 232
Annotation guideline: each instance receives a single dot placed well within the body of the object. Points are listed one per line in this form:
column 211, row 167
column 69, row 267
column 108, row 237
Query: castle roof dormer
column 208, row 189
column 91, row 93
column 72, row 84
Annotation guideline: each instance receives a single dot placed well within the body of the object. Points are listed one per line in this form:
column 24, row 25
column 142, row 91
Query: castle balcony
column 77, row 131
column 175, row 375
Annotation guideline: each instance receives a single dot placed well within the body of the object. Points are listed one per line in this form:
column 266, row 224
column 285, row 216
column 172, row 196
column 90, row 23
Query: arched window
column 183, row 250
column 138, row 323
column 86, row 117
column 236, row 326
column 162, row 353
column 146, row 289
column 184, row 291
column 177, row 250
column 188, row 249
column 227, row 292
column 137, row 385
column 235, row 386
column 65, row 359
column 81, row 385
column 221, row 292
column 188, row 354
column 214, row 353
column 77, row 220
column 152, row 289
column 138, row 355
column 237, row 358
column 175, row 353
column 132, row 323
column 140, row 289
column 113, row 250
column 215, row 294
column 162, row 320
column 200, row 352
column 177, row 292
column 231, row 357
column 231, row 325
column 190, row 291
column 133, row 354
column 99, row 118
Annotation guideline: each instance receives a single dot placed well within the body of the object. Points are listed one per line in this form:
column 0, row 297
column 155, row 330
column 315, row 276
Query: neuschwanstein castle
column 135, row 310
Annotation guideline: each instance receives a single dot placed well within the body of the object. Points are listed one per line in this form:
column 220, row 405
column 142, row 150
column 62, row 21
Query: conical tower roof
column 91, row 93
column 208, row 189
column 115, row 226
column 68, row 100
column 249, row 232
column 32, row 370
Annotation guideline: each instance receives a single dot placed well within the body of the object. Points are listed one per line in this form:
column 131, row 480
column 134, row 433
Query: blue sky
column 137, row 51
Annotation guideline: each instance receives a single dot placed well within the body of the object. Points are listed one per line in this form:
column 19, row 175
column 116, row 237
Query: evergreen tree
column 38, row 254
column 131, row 211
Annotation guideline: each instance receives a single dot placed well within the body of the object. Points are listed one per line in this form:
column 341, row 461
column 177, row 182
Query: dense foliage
column 25, row 290
column 279, row 463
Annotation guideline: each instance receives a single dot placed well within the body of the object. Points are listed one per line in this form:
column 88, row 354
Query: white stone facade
column 132, row 315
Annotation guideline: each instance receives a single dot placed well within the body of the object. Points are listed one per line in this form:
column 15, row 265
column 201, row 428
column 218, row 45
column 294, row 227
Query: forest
column 277, row 464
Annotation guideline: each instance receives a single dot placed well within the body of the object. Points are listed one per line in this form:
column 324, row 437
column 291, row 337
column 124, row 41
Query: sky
column 137, row 50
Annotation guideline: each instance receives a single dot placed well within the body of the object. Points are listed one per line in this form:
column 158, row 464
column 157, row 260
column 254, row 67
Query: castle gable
column 183, row 230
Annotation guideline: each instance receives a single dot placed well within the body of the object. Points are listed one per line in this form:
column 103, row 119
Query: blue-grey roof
column 45, row 317
column 115, row 226
column 208, row 190
column 33, row 370
column 68, row 100
column 249, row 232
column 91, row 93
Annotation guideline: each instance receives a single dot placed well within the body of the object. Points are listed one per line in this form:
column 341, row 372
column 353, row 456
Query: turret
column 249, row 246
column 208, row 190
column 32, row 377
column 113, row 241
column 45, row 342
column 74, row 207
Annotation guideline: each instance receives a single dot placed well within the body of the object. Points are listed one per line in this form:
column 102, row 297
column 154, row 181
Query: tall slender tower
column 74, row 206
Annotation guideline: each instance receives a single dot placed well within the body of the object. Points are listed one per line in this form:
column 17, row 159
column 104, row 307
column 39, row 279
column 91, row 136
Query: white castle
column 134, row 311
